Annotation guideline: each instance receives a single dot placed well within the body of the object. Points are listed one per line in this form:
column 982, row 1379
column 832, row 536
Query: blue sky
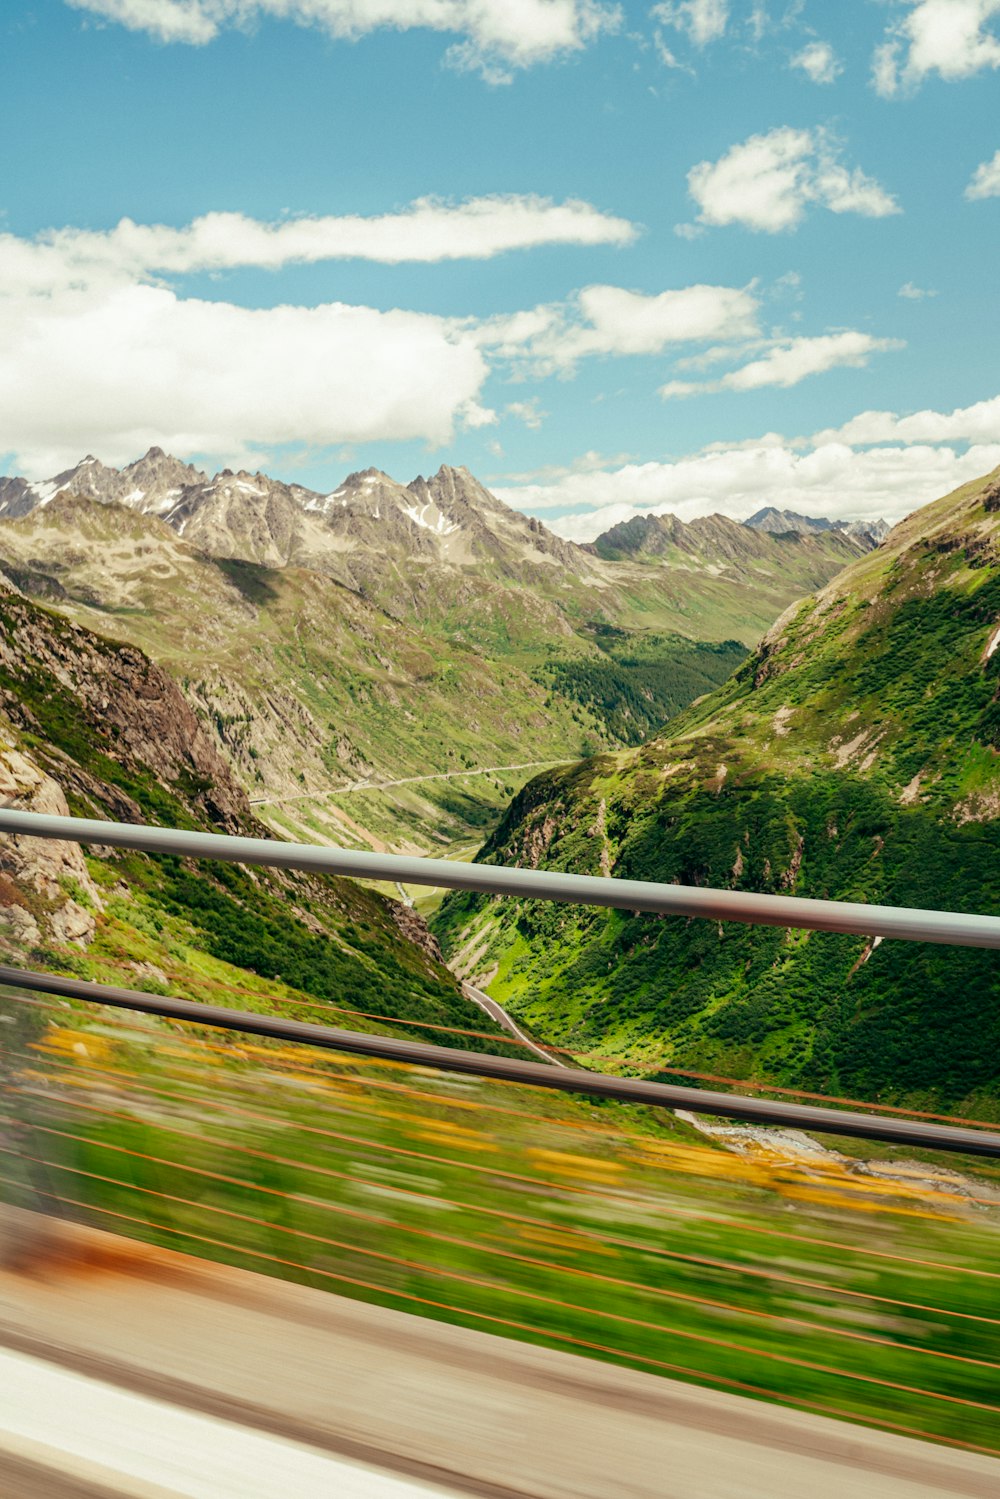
column 695, row 255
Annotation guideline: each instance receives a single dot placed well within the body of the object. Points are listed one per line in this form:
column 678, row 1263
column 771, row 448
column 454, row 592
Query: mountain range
column 449, row 517
column 387, row 633
column 855, row 755
column 851, row 754
column 869, row 533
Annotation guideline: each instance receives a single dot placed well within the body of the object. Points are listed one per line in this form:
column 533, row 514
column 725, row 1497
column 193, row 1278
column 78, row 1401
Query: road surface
column 441, row 775
column 112, row 1438
column 500, row 1015
column 240, row 1382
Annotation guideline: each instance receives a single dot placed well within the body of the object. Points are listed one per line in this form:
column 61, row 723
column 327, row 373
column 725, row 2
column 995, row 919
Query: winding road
column 499, row 1014
column 441, row 775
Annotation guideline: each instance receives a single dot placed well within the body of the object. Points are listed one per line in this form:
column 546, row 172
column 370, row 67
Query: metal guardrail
column 360, row 1164
column 510, row 1069
column 913, row 925
column 577, row 889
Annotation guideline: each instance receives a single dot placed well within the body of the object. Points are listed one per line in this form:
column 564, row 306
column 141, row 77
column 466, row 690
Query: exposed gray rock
column 49, row 868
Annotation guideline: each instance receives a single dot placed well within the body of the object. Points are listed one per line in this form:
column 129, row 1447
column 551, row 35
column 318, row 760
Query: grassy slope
column 853, row 756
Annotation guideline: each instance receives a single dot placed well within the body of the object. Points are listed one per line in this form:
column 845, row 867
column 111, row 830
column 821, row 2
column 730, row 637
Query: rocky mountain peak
column 869, row 533
column 779, row 521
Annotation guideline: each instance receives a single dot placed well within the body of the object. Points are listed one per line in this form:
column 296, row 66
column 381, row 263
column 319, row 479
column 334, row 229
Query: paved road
column 233, row 1367
column 443, row 775
column 500, row 1015
column 119, row 1442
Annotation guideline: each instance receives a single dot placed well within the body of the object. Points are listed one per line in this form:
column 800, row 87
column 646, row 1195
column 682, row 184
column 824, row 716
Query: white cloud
column 979, row 423
column 818, row 61
column 833, row 480
column 528, row 412
column 766, row 182
column 117, row 369
column 795, row 360
column 612, row 320
column 586, row 463
column 759, row 20
column 985, row 180
column 914, row 293
column 427, row 230
column 880, row 463
column 668, row 58
column 496, row 35
column 96, row 354
column 703, row 21
column 789, row 362
column 627, row 322
column 947, row 37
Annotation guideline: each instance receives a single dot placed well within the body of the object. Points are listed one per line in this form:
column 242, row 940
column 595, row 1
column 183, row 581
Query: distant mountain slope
column 776, row 521
column 856, row 755
column 95, row 728
column 717, row 540
column 303, row 684
column 869, row 533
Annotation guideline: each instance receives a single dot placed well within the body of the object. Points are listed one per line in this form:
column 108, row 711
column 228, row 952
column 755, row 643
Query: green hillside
column 853, row 756
column 94, row 728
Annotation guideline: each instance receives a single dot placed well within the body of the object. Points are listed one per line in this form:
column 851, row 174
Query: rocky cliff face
column 46, row 892
column 117, row 698
column 153, row 483
column 83, row 718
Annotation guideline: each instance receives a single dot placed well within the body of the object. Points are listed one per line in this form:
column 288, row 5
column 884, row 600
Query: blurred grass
column 611, row 1230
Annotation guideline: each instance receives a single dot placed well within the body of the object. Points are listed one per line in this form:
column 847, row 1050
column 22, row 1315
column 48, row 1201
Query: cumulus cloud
column 116, row 370
column 985, row 180
column 613, row 320
column 427, row 230
column 702, row 21
column 788, row 362
column 880, row 463
column 979, row 423
column 914, row 293
column 818, row 61
column 96, row 351
column 496, row 36
column 951, row 38
column 767, row 182
column 834, row 480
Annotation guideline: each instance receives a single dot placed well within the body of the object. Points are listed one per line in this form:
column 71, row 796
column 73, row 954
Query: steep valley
column 541, row 1215
column 853, row 756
